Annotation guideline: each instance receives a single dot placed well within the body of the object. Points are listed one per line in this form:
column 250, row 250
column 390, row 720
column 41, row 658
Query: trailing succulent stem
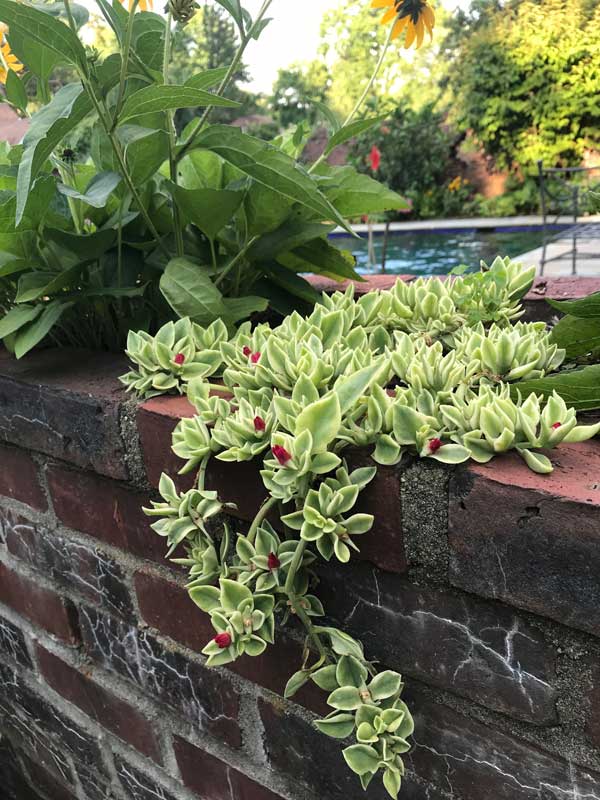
column 429, row 368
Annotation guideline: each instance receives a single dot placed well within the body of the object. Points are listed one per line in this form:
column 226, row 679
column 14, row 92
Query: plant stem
column 172, row 136
column 259, row 518
column 116, row 146
column 363, row 96
column 201, row 480
column 245, row 38
column 124, row 64
column 296, row 602
column 235, row 260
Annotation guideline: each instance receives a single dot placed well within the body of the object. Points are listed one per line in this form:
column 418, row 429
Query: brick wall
column 480, row 584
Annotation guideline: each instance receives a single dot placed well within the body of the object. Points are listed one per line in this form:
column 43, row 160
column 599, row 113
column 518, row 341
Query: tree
column 525, row 78
column 295, row 91
column 208, row 41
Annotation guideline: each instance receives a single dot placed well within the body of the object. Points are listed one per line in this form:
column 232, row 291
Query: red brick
column 383, row 545
column 106, row 510
column 212, row 779
column 19, row 478
column 41, row 606
column 108, row 710
column 531, row 540
column 156, row 420
column 166, row 606
column 65, row 403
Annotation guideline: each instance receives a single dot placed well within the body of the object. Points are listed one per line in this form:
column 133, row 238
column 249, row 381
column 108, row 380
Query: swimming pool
column 436, row 253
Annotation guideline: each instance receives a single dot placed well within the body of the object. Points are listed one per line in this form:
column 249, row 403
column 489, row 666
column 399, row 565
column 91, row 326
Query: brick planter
column 480, row 584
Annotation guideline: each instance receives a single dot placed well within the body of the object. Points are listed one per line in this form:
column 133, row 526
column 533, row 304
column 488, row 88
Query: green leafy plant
column 578, row 333
column 205, row 223
column 422, row 369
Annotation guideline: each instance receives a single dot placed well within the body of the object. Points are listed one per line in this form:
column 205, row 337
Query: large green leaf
column 98, row 190
column 86, row 246
column 208, row 78
column 576, row 335
column 293, row 233
column 270, row 167
column 579, row 388
column 354, row 194
column 290, row 281
column 349, row 131
column 209, row 209
column 585, row 307
column 43, row 29
column 35, row 331
column 238, row 308
column 15, row 91
column 17, row 318
column 69, row 106
column 323, row 419
column 168, row 97
column 190, row 292
column 322, row 258
column 145, row 150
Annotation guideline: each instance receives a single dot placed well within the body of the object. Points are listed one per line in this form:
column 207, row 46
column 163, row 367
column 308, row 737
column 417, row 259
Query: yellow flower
column 455, row 184
column 143, row 5
column 411, row 16
column 8, row 59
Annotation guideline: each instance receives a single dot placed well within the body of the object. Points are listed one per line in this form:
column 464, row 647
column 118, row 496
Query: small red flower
column 375, row 158
column 281, row 454
column 179, row 359
column 557, row 425
column 259, row 424
column 255, row 357
column 273, row 562
column 434, row 445
column 223, row 640
column 246, row 351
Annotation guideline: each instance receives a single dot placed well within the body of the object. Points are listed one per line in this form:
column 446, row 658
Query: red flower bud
column 179, row 359
column 434, row 445
column 557, row 425
column 273, row 562
column 281, row 454
column 223, row 640
column 255, row 357
column 259, row 424
column 246, row 351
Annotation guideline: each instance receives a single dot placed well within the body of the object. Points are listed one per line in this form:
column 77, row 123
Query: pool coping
column 464, row 224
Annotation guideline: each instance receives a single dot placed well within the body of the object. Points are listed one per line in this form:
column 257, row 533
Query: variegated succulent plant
column 429, row 368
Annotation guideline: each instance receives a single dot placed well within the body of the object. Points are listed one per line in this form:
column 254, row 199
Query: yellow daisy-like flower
column 412, row 17
column 8, row 59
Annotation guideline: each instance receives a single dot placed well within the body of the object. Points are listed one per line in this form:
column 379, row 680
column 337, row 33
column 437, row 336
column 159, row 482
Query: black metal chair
column 561, row 194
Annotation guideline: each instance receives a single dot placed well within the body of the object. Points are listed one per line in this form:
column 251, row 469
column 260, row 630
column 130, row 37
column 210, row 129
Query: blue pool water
column 436, row 253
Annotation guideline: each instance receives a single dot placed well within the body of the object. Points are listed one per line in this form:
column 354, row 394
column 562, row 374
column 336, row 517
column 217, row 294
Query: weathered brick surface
column 70, row 564
column 42, row 606
column 472, row 761
column 19, row 478
column 532, row 541
column 593, row 718
column 75, row 416
column 156, row 420
column 166, row 606
column 470, row 647
column 104, row 509
column 137, row 785
column 212, row 779
column 101, row 705
column 12, row 777
column 50, row 737
column 203, row 696
column 12, row 643
column 297, row 749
